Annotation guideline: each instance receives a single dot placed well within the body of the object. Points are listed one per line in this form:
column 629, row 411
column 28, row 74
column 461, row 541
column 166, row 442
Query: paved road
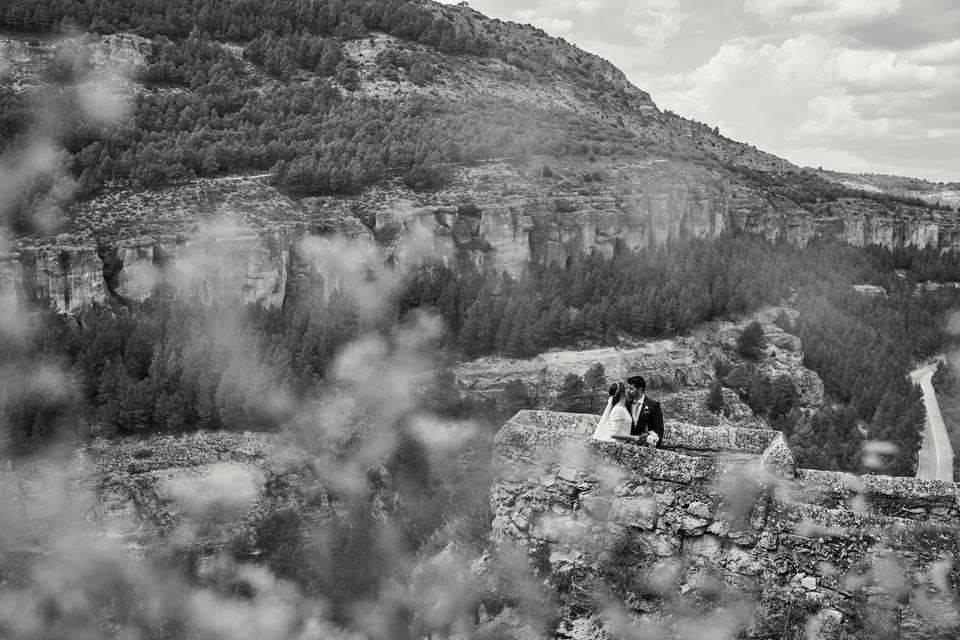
column 234, row 178
column 936, row 454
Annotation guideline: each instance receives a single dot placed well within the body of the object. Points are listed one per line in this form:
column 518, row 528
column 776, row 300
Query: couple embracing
column 630, row 415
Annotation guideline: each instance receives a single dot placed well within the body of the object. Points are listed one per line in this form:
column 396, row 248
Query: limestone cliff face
column 864, row 222
column 67, row 276
column 260, row 266
column 516, row 216
column 720, row 520
column 501, row 215
column 509, row 216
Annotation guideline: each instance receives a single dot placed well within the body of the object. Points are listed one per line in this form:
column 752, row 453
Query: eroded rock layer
column 501, row 215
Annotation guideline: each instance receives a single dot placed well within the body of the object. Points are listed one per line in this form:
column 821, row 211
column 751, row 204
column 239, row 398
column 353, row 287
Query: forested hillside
column 285, row 101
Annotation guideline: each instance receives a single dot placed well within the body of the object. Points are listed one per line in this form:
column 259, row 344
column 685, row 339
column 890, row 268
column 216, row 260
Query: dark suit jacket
column 650, row 418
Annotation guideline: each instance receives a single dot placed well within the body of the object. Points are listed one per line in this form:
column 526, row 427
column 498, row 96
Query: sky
column 850, row 85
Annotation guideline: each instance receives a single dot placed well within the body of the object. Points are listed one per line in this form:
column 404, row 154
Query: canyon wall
column 260, row 266
column 720, row 528
column 504, row 216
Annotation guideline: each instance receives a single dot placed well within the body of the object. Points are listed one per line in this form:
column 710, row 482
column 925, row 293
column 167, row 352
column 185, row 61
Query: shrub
column 751, row 340
column 715, row 398
column 574, row 395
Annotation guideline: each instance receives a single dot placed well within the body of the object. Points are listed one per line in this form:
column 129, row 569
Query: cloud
column 633, row 34
column 830, row 14
column 547, row 23
column 939, row 54
column 816, row 101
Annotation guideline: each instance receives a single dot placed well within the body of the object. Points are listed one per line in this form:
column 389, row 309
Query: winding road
column 936, row 454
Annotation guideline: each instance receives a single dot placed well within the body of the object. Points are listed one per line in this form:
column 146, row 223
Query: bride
column 615, row 422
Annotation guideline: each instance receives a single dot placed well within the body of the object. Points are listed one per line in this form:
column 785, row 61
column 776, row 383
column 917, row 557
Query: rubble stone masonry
column 721, row 519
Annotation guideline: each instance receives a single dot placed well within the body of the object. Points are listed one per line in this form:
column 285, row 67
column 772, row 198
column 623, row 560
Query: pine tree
column 751, row 340
column 573, row 395
column 715, row 397
column 595, row 379
column 515, row 396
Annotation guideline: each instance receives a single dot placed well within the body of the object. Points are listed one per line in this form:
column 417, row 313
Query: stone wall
column 721, row 521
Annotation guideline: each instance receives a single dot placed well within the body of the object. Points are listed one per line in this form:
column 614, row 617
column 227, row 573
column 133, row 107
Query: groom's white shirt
column 637, row 407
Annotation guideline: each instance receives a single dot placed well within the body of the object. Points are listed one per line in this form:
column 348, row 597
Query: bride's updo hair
column 616, row 391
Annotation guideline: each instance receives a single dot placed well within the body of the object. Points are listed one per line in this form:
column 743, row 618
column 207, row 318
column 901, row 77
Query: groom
column 645, row 412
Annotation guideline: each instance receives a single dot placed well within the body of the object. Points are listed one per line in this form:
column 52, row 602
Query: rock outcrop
column 679, row 364
column 263, row 266
column 142, row 492
column 721, row 526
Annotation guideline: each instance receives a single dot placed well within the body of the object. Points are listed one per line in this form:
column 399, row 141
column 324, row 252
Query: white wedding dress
column 614, row 421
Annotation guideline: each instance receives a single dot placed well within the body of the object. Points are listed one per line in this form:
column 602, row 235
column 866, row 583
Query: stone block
column 754, row 440
column 692, row 525
column 521, row 520
column 596, row 508
column 639, row 512
column 659, row 545
column 778, row 459
column 699, row 509
column 564, row 529
column 688, row 436
column 666, row 498
column 569, row 474
column 768, row 540
column 742, row 562
column 707, row 546
column 719, row 527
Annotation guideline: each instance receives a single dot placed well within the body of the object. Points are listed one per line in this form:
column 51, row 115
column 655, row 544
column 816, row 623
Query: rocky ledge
column 720, row 520
column 190, row 494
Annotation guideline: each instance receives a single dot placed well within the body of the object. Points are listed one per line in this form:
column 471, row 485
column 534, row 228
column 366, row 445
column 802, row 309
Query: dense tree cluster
column 664, row 290
column 946, row 382
column 929, row 263
column 806, row 187
column 244, row 20
column 161, row 367
column 393, row 62
column 282, row 56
